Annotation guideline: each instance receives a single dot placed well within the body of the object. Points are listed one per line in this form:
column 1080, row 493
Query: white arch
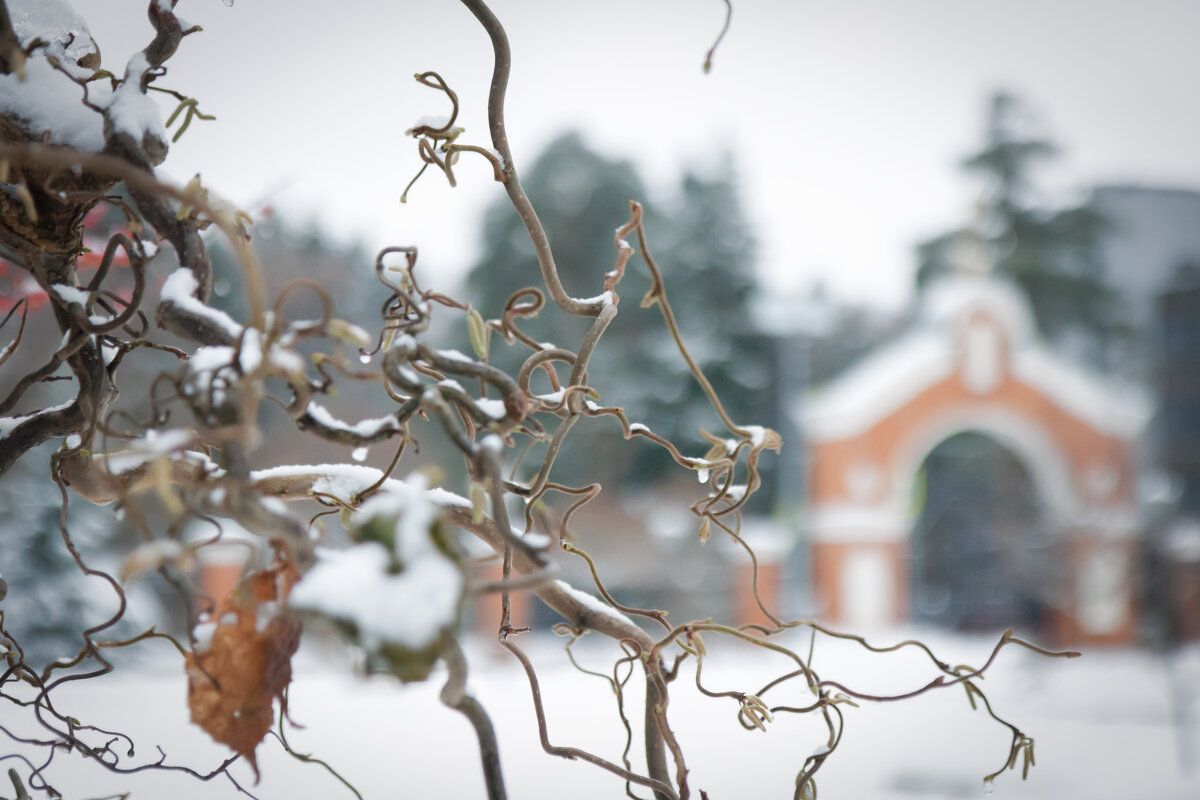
column 1029, row 442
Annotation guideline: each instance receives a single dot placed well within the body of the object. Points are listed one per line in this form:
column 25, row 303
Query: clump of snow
column 436, row 121
column 414, row 511
column 251, row 355
column 757, row 435
column 366, row 427
column 208, row 360
column 735, row 492
column 60, row 26
column 71, row 294
column 492, row 443
column 409, row 607
column 44, row 98
column 47, row 100
column 180, row 289
column 491, row 407
column 605, row 298
column 455, row 355
column 344, row 481
column 264, row 613
column 286, row 360
column 132, row 110
column 538, row 541
column 7, row 424
column 593, row 603
column 447, row 498
column 155, row 444
column 404, row 341
column 202, row 634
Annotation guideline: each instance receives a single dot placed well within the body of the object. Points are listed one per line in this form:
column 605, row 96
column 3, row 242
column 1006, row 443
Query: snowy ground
column 1104, row 726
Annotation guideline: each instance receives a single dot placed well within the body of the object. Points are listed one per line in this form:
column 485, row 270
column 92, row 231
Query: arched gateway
column 973, row 365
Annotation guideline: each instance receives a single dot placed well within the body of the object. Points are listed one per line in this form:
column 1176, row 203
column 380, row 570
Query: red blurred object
column 15, row 285
column 99, row 224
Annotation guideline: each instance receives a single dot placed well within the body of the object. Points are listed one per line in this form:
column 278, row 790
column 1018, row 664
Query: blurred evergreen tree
column 49, row 601
column 581, row 197
column 1053, row 255
column 706, row 254
column 705, row 251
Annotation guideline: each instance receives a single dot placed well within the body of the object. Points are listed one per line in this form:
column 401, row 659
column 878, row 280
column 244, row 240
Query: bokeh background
column 950, row 250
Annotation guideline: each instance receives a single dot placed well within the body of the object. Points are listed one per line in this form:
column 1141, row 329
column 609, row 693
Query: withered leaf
column 233, row 683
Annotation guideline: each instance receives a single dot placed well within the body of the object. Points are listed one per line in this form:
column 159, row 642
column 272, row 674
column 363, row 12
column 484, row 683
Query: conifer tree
column 1051, row 254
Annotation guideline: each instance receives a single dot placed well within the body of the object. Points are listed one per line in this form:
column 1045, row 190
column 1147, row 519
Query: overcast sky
column 847, row 118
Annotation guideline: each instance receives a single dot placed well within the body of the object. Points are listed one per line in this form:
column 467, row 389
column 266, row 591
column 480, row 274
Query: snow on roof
column 895, row 374
column 953, row 297
column 1107, row 405
column 884, row 380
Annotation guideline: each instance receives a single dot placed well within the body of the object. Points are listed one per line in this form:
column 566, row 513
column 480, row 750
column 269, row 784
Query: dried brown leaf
column 232, row 684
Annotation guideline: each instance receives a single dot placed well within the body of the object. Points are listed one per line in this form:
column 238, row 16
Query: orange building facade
column 973, row 363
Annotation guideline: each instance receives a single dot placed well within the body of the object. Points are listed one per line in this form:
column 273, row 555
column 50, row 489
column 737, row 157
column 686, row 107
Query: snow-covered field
column 1105, row 725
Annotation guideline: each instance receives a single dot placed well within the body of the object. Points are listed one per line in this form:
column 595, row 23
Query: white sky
column 847, row 118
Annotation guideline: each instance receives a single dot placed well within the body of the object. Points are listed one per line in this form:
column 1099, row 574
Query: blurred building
column 966, row 474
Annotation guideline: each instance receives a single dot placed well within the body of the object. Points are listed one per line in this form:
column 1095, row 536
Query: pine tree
column 49, row 601
column 706, row 252
column 581, row 197
column 708, row 265
column 1053, row 255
